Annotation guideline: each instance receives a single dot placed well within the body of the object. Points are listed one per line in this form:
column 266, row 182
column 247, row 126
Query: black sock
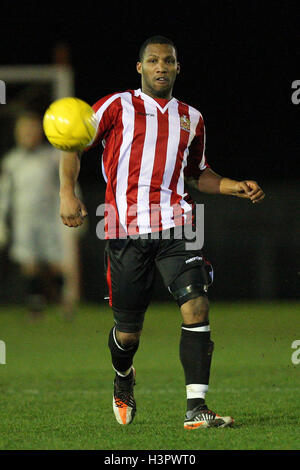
column 194, row 403
column 34, row 285
column 196, row 350
column 121, row 357
column 34, row 295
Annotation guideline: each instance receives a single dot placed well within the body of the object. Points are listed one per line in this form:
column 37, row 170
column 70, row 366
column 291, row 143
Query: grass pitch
column 56, row 385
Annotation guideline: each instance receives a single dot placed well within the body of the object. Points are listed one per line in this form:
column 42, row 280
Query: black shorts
column 130, row 266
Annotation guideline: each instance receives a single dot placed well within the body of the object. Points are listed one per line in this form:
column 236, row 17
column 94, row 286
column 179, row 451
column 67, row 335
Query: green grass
column 56, row 387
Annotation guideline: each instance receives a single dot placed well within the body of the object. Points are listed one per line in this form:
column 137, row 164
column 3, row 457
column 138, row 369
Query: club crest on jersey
column 185, row 123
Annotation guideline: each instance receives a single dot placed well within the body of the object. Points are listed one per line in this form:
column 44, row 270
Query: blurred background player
column 48, row 256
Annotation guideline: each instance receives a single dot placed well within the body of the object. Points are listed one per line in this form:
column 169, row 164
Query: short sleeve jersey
column 148, row 151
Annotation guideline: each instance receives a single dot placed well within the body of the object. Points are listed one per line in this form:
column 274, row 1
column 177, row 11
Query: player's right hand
column 72, row 211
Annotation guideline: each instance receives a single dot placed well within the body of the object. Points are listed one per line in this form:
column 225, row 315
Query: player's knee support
column 183, row 294
column 192, row 283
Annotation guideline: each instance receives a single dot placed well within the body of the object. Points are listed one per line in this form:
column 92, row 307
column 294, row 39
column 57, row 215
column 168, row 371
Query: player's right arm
column 72, row 210
column 6, row 188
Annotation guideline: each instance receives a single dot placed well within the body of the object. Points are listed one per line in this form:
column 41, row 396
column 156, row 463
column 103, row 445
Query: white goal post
column 61, row 77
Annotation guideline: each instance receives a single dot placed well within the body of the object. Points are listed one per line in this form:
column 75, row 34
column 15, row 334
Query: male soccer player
column 152, row 142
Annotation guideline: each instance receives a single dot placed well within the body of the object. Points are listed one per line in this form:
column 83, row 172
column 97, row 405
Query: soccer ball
column 70, row 124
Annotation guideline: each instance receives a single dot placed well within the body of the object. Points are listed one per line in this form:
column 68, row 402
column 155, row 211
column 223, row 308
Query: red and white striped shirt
column 148, row 150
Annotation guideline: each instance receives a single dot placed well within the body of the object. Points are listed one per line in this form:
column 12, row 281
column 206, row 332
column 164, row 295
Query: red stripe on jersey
column 183, row 110
column 135, row 166
column 158, row 169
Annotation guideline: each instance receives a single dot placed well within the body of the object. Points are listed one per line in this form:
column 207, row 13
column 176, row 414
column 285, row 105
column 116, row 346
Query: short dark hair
column 155, row 40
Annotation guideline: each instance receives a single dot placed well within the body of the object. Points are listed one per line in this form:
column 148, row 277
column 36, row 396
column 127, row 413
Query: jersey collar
column 148, row 98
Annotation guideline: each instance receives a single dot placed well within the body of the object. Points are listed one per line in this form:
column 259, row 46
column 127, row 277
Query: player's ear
column 139, row 67
column 178, row 68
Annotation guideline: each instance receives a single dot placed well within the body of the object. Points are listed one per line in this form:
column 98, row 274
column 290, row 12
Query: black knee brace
column 184, row 294
column 192, row 284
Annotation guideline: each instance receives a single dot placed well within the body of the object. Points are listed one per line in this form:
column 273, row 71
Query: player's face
column 28, row 132
column 159, row 68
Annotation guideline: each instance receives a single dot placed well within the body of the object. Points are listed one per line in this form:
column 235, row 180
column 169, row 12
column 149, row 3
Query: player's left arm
column 212, row 183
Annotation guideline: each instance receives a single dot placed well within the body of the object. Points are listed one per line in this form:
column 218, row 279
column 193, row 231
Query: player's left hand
column 250, row 190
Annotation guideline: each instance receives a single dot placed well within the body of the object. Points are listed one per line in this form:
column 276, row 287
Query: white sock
column 196, row 391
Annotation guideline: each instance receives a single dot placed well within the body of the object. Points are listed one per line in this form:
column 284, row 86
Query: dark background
column 238, row 61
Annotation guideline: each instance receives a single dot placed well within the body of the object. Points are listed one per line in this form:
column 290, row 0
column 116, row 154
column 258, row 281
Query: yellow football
column 70, row 124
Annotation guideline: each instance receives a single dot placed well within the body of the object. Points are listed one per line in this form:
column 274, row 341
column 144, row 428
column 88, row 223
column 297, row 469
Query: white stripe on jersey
column 105, row 105
column 103, row 170
column 202, row 165
column 147, row 163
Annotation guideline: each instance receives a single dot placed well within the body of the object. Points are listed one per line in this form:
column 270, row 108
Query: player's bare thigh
column 195, row 310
